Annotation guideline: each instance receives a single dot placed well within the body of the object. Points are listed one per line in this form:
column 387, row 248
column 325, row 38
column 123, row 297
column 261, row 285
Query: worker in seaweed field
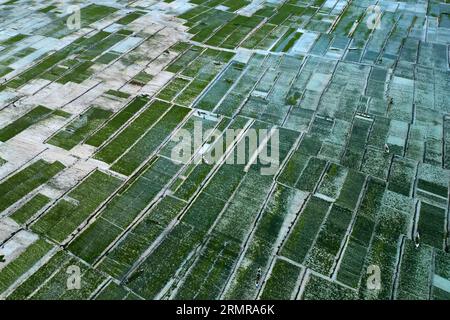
column 390, row 103
column 417, row 239
column 446, row 247
column 258, row 276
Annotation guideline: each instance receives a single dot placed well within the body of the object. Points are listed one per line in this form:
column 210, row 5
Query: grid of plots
column 89, row 119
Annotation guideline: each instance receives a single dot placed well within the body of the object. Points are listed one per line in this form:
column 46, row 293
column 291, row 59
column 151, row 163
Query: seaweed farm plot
column 23, row 182
column 225, row 149
column 80, row 128
column 40, row 113
column 69, row 213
